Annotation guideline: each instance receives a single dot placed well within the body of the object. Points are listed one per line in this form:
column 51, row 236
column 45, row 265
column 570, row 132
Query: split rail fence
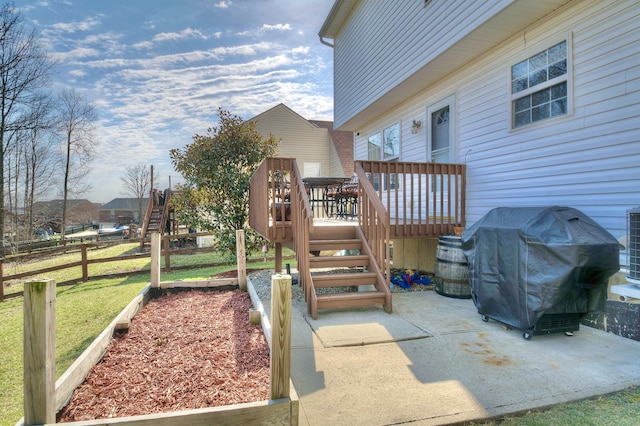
column 84, row 263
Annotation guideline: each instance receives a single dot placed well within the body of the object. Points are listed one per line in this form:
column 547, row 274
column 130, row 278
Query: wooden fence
column 167, row 252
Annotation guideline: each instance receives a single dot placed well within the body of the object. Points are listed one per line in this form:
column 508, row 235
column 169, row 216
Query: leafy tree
column 217, row 168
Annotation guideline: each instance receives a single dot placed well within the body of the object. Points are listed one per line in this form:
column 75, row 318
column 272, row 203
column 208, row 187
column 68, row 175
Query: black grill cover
column 525, row 262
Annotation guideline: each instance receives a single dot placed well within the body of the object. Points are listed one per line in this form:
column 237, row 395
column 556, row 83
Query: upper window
column 385, row 145
column 539, row 86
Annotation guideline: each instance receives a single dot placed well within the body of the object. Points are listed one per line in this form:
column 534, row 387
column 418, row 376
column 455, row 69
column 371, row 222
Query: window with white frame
column 539, row 86
column 385, row 146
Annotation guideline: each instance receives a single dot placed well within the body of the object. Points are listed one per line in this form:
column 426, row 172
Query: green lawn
column 83, row 310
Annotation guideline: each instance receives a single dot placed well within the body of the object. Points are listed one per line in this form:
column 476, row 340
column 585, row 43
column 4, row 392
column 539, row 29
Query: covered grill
column 539, row 269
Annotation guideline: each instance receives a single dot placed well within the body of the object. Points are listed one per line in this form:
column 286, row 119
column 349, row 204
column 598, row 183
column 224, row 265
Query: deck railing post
column 280, row 359
column 39, row 351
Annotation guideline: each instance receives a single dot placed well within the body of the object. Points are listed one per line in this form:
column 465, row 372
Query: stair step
column 343, row 244
column 343, row 279
column 350, row 299
column 338, row 261
column 332, row 232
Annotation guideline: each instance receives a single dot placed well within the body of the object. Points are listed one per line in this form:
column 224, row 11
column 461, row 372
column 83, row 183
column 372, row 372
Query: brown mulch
column 183, row 351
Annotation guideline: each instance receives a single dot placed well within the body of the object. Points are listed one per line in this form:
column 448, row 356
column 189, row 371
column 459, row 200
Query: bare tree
column 24, row 69
column 137, row 183
column 40, row 161
column 77, row 125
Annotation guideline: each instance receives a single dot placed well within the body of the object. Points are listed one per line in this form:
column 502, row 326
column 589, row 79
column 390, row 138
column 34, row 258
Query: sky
column 157, row 70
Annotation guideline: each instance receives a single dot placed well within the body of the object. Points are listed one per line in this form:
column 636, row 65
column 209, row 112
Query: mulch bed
column 183, row 351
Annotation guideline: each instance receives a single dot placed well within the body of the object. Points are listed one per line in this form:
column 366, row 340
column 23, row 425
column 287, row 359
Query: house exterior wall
column 588, row 159
column 387, row 44
column 300, row 139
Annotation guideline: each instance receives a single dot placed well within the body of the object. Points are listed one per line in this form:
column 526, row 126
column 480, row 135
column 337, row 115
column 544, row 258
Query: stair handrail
column 302, row 224
column 147, row 216
column 374, row 222
column 165, row 211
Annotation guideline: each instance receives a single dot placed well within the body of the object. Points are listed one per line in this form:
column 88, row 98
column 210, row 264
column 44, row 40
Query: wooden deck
column 394, row 201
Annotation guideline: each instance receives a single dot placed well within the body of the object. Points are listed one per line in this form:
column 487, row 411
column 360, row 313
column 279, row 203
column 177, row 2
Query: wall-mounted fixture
column 416, row 126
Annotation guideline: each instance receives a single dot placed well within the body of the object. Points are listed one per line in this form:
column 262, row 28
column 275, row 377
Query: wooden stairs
column 154, row 224
column 354, row 276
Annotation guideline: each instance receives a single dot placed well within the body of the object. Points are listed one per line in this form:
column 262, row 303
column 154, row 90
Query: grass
column 83, row 310
column 617, row 409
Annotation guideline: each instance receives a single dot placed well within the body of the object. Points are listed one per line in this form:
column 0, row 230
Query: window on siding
column 539, row 86
column 385, row 146
column 374, row 146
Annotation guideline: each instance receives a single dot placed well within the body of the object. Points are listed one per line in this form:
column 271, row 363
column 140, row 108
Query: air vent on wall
column 633, row 245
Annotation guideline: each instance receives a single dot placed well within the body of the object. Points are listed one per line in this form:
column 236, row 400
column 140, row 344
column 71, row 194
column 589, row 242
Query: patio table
column 322, row 192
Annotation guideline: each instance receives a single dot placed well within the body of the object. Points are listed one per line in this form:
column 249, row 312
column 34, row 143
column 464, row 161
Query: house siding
column 385, row 43
column 589, row 159
column 300, row 139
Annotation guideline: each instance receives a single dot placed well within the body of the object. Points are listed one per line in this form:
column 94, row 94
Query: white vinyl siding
column 417, row 36
column 588, row 159
column 402, row 28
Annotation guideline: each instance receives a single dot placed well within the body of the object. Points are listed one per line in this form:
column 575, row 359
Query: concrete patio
column 434, row 361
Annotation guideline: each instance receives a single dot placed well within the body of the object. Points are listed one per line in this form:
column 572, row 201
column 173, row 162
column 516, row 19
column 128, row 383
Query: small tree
column 137, row 183
column 217, row 168
column 78, row 144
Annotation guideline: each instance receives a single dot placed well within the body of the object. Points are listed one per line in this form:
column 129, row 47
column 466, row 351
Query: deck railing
column 373, row 219
column 302, row 222
column 422, row 199
column 269, row 199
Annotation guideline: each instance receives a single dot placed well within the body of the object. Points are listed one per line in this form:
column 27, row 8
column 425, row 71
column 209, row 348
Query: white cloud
column 303, row 50
column 185, row 34
column 277, row 27
column 77, row 73
column 223, row 4
column 75, row 54
column 74, row 26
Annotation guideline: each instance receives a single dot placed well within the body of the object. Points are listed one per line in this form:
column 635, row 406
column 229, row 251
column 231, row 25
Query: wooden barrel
column 452, row 270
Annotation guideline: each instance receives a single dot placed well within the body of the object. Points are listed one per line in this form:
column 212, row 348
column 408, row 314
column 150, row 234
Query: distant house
column 317, row 148
column 49, row 213
column 123, row 210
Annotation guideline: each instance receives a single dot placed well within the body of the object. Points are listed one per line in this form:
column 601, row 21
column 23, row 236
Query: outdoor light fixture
column 415, row 126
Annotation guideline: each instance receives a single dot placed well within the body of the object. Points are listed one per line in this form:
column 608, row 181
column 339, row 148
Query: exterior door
column 440, row 131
